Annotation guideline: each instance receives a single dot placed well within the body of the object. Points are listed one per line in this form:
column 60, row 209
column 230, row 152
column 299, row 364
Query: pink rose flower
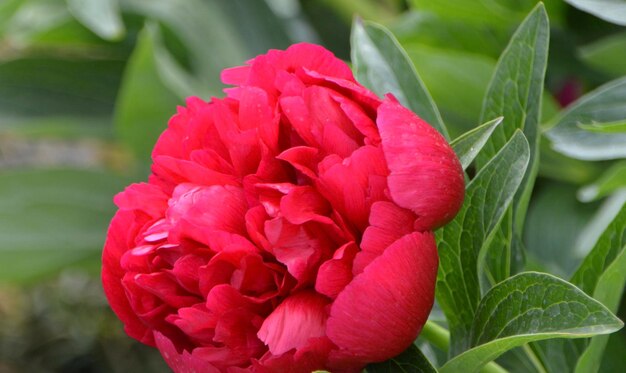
column 286, row 227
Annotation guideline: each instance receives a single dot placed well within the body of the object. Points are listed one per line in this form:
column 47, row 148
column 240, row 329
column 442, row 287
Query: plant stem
column 440, row 338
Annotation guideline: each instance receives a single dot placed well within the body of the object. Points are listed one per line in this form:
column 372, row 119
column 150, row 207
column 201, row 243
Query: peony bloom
column 286, row 227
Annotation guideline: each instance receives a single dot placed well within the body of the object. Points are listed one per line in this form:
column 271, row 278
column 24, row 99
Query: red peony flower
column 286, row 227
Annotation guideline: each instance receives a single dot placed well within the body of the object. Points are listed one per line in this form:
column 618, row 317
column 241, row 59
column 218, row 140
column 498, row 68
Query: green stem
column 440, row 338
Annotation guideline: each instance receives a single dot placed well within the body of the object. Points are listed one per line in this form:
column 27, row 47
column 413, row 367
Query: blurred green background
column 86, row 86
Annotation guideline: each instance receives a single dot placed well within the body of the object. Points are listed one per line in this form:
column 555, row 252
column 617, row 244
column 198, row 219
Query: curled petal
column 425, row 174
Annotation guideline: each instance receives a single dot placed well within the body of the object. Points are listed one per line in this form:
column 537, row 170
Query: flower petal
column 397, row 291
column 425, row 174
column 294, row 322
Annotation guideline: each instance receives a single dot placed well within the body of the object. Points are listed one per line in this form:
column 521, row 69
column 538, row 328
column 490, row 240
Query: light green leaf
column 604, row 105
column 611, row 127
column 462, row 241
column 607, row 54
column 381, row 64
column 410, row 361
column 613, row 179
column 52, row 218
column 469, row 144
column 609, row 10
column 529, row 307
column 145, row 103
column 101, row 16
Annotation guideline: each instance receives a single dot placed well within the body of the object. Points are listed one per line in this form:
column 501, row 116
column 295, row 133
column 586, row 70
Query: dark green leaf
column 410, row 361
column 461, row 242
column 469, row 144
column 530, row 307
column 381, row 64
column 604, row 105
column 52, row 218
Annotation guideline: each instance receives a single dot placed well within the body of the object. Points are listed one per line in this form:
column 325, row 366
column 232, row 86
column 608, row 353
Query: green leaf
column 609, row 10
column 469, row 144
column 412, row 360
column 606, row 104
column 605, row 251
column 613, row 179
column 609, row 291
column 529, row 307
column 439, row 68
column 515, row 92
column 461, row 242
column 60, row 87
column 381, row 64
column 50, row 219
column 555, row 222
column 501, row 14
column 589, row 277
column 145, row 103
column 101, row 16
column 607, row 54
column 611, row 127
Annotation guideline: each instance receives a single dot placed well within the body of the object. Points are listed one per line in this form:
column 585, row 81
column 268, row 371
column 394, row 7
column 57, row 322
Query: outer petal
column 397, row 291
column 112, row 274
column 425, row 174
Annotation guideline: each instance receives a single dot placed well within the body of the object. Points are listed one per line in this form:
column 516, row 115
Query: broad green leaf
column 101, row 16
column 613, row 179
column 606, row 104
column 381, row 64
column 609, row 10
column 52, row 218
column 529, row 307
column 145, row 103
column 410, row 361
column 463, row 240
column 607, row 54
column 588, row 277
column 515, row 92
column 605, row 251
column 554, row 223
column 609, row 291
column 611, row 127
column 469, row 144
